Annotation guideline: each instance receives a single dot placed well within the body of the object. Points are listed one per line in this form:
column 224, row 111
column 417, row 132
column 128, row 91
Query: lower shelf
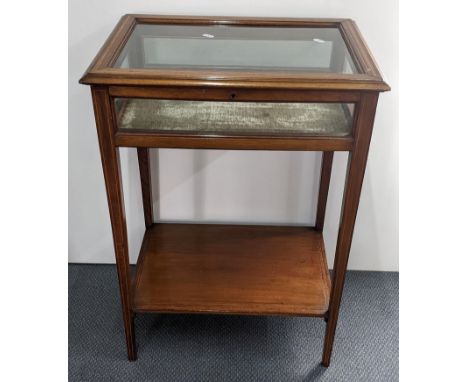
column 234, row 269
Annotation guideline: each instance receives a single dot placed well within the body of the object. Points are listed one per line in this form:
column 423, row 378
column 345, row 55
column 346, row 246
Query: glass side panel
column 236, row 47
column 235, row 118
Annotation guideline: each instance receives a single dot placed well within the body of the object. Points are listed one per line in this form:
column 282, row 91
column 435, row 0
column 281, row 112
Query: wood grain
column 152, row 139
column 113, row 179
column 233, row 94
column 232, row 269
column 145, row 180
column 102, row 72
column 352, row 193
column 221, row 268
column 325, row 175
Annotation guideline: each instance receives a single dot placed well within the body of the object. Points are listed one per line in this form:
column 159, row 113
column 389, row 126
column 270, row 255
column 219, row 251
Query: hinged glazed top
column 242, row 52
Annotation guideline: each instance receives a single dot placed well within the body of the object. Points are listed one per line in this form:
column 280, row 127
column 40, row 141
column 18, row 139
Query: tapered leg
column 355, row 175
column 325, row 174
column 145, row 177
column 111, row 166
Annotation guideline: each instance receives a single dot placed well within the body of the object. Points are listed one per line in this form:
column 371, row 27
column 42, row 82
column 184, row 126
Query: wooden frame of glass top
column 253, row 269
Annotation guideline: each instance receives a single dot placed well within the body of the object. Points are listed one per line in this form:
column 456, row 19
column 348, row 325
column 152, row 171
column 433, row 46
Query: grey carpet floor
column 231, row 348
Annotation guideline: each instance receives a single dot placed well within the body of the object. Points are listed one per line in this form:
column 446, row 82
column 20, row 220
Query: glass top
column 312, row 49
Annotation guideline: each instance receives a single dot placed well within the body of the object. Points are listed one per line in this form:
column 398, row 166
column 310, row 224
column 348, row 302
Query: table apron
column 152, row 140
column 234, row 94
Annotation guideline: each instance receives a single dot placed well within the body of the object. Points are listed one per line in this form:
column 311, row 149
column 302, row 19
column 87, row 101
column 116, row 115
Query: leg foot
column 327, row 347
column 132, row 357
column 130, row 337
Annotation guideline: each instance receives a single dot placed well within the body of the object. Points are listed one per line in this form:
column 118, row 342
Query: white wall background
column 229, row 186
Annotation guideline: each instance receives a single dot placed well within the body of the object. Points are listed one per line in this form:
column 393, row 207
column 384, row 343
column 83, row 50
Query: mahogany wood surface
column 101, row 71
column 205, row 268
column 145, row 180
column 325, row 175
column 352, row 193
column 156, row 140
column 223, row 268
column 111, row 167
column 233, row 94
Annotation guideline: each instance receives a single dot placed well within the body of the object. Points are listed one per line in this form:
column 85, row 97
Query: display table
column 237, row 84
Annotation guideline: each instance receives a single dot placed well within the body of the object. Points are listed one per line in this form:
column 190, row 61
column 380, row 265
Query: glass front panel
column 236, row 47
column 234, row 118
